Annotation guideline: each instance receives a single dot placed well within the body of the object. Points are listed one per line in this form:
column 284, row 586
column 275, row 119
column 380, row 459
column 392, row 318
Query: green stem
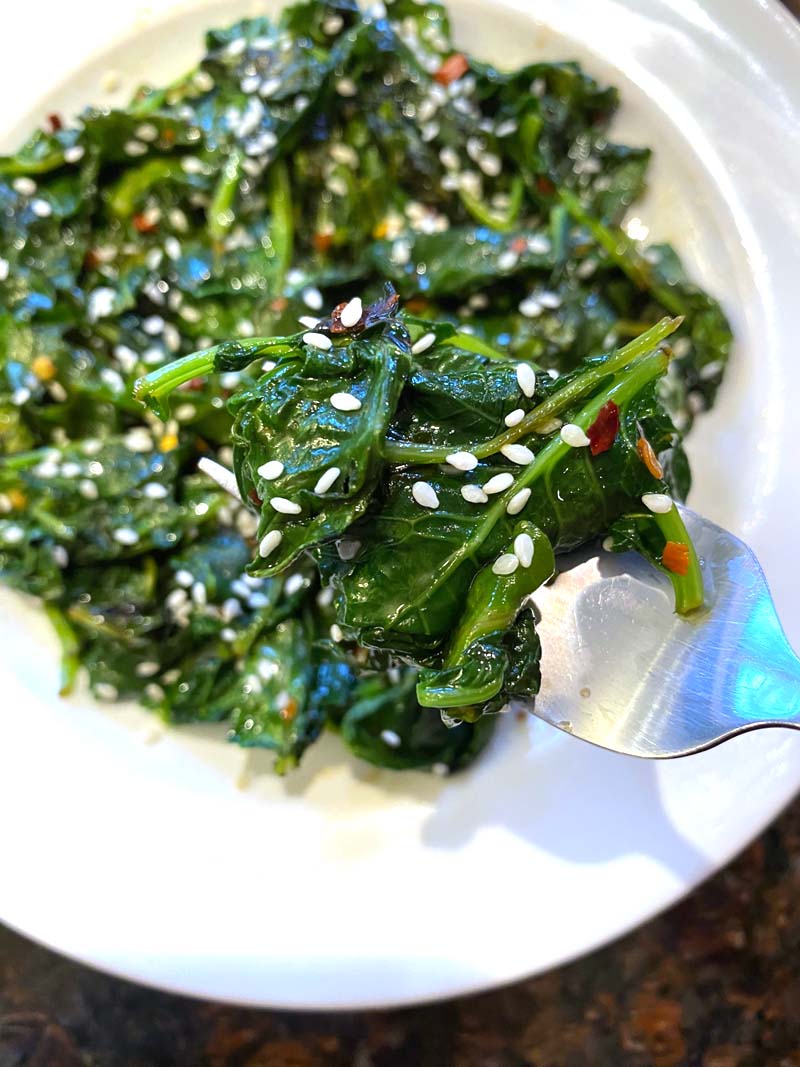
column 624, row 253
column 282, row 222
column 470, row 343
column 70, row 648
column 688, row 587
column 228, row 356
column 124, row 197
column 576, row 389
column 220, row 216
column 622, row 389
column 481, row 213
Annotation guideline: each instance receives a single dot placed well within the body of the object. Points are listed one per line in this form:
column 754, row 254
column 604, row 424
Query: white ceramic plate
column 342, row 886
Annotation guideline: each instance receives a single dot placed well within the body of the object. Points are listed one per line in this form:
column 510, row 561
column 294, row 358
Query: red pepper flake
column 604, row 429
column 142, row 223
column 675, row 557
column 648, row 457
column 322, row 241
column 417, row 305
column 545, row 186
column 255, row 498
column 453, row 68
column 55, row 122
column 289, row 710
column 519, row 245
column 279, row 304
column 194, row 385
column 91, row 261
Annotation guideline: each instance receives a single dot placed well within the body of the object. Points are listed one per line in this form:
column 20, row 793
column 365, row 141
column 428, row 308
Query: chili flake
column 453, row 68
column 604, row 429
column 289, row 710
column 675, row 557
column 55, row 122
column 648, row 457
column 44, row 368
column 143, row 223
column 322, row 241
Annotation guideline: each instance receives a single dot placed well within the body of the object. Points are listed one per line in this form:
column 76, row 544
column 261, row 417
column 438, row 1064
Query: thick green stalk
column 154, row 387
column 409, row 452
column 688, row 587
column 220, row 211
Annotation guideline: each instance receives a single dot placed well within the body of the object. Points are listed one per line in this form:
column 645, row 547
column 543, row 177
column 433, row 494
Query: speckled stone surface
column 715, row 982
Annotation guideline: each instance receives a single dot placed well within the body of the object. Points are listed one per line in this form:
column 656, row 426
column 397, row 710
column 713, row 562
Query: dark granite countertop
column 715, row 982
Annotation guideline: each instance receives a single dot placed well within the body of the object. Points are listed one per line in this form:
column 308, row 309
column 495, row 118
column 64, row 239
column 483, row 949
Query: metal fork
column 620, row 669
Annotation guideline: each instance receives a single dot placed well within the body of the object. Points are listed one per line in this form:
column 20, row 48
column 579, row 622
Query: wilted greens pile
column 405, row 470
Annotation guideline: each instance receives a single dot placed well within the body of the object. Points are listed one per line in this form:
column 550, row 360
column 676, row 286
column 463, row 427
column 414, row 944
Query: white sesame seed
column 514, row 418
column 268, row 365
column 391, row 738
column 505, row 129
column 549, row 300
column 309, row 321
column 199, row 594
column 228, row 634
column 473, row 494
column 505, row 564
column 346, row 87
column 325, row 597
column 519, row 454
column 425, row 495
column 60, row 556
column 462, row 461
column 608, row 544
column 4, row 268
column 284, row 506
column 423, row 344
column 126, row 535
column 113, row 379
column 526, row 378
column 499, row 483
column 126, row 358
column 41, row 208
column 573, row 435
column 269, row 542
column 658, row 503
column 153, row 325
column 326, row 480
column 538, row 244
column 351, row 312
column 518, row 502
column 147, row 668
column 172, row 247
column 192, row 165
column 20, row 396
column 224, row 478
column 347, row 549
column 146, row 132
column 270, row 470
column 523, row 549
column 184, row 578
column 336, row 633
column 185, row 412
column 490, row 164
column 530, row 307
column 70, row 469
column 135, row 148
column 441, row 770
column 155, row 491
column 24, row 186
column 231, row 609
column 345, row 402
column 344, row 154
column 293, row 584
column 318, row 340
column 312, row 298
column 449, row 158
column 269, row 87
column 507, row 260
column 100, row 303
column 12, row 535
column 106, row 691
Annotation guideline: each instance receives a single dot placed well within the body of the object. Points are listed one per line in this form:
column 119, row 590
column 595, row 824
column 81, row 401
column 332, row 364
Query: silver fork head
column 620, row 669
